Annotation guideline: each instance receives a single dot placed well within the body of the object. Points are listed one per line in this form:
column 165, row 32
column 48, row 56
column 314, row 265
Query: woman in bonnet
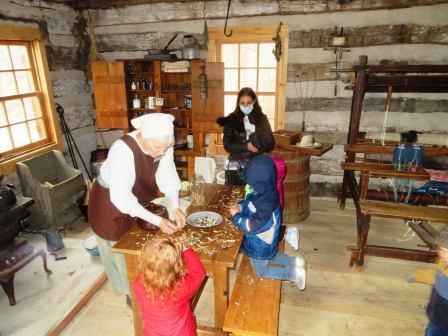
column 138, row 164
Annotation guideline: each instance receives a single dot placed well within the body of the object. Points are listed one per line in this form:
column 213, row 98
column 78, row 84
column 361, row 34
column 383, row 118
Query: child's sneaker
column 300, row 263
column 300, row 278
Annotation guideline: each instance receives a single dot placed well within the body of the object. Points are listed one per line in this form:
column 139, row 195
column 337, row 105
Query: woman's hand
column 235, row 208
column 179, row 217
column 252, row 148
column 167, row 226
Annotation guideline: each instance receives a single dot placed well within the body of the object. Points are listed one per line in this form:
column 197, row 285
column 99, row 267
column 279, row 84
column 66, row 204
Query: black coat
column 234, row 139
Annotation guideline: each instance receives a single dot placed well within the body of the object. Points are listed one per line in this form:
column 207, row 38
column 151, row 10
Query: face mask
column 246, row 109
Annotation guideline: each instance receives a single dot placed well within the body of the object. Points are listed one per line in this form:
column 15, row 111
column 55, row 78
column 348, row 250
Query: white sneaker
column 300, row 262
column 300, row 278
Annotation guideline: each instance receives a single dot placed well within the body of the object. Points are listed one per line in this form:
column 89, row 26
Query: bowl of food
column 204, row 219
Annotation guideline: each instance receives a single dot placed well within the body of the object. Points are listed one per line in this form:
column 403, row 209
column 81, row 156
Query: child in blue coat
column 437, row 309
column 259, row 217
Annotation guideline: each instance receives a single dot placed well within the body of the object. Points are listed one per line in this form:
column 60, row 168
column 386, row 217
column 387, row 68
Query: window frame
column 31, row 37
column 257, row 34
column 274, row 93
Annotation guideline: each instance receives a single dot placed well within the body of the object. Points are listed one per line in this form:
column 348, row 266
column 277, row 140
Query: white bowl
column 192, row 219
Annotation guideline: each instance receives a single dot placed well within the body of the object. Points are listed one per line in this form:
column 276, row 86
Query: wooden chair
column 254, row 307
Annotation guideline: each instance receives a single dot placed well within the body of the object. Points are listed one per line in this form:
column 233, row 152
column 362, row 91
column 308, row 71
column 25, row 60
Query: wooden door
column 110, row 94
column 205, row 112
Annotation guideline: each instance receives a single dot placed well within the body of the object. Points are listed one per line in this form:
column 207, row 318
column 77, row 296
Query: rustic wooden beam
column 397, row 253
column 378, row 149
column 408, row 89
column 378, row 35
column 414, row 68
column 407, row 80
column 284, row 8
column 370, row 104
column 417, row 198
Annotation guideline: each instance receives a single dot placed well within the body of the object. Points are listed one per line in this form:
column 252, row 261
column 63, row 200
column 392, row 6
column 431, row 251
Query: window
column 252, row 65
column 26, row 107
column 249, row 61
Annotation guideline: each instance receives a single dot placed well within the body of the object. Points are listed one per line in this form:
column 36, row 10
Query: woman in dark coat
column 247, row 133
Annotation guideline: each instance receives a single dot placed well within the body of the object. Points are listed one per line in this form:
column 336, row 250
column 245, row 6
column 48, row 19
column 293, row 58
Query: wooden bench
column 255, row 303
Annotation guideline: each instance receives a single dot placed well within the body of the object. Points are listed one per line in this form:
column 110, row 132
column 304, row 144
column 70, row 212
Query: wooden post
column 355, row 119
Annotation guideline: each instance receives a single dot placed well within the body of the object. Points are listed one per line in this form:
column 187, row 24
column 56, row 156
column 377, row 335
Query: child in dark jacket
column 259, row 217
column 167, row 280
column 438, row 303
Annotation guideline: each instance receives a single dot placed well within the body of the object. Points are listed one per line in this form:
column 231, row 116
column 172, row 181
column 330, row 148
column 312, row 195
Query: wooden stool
column 13, row 257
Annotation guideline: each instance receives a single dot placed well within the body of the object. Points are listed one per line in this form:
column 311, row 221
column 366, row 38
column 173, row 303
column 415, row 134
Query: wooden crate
column 286, row 137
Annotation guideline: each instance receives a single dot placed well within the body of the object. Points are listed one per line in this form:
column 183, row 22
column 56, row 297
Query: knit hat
column 442, row 239
column 154, row 125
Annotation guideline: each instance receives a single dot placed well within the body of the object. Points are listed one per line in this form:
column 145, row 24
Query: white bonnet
column 154, row 125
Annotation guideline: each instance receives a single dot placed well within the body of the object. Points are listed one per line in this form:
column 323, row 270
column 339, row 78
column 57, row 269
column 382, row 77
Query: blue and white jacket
column 437, row 309
column 260, row 216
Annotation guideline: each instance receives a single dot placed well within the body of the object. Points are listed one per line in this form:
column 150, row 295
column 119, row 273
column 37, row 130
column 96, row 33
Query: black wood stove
column 15, row 252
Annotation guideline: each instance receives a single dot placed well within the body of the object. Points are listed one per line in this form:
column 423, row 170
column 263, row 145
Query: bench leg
column 44, row 259
column 221, row 284
column 8, row 287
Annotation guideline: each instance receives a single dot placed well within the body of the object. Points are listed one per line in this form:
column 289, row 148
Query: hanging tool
column 227, row 17
column 71, row 141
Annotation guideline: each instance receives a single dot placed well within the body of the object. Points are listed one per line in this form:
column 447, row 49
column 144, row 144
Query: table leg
column 132, row 270
column 221, row 284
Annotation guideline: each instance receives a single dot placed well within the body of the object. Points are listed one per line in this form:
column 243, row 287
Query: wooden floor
column 338, row 300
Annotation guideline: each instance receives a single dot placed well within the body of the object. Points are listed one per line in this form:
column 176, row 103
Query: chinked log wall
column 67, row 48
column 384, row 29
column 401, row 30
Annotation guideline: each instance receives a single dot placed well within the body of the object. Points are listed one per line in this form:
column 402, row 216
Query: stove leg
column 8, row 287
column 44, row 259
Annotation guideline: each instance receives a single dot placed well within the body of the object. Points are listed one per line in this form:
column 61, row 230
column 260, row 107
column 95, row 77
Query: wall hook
column 227, row 17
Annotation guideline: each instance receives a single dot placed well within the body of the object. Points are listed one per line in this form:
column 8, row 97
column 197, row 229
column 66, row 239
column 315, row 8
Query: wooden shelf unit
column 113, row 99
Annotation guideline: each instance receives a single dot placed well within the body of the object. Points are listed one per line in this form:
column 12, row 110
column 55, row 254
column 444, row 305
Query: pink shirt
column 172, row 316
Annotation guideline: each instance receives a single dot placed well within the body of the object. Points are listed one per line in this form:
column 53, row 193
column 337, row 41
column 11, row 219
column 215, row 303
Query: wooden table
column 217, row 248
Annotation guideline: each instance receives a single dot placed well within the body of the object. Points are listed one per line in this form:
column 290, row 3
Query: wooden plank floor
column 338, row 300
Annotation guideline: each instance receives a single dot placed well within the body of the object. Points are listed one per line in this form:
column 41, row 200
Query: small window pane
column 37, row 130
column 7, row 84
column 5, row 144
column 229, row 55
column 267, row 58
column 32, row 107
column 3, row 120
column 19, row 57
column 266, row 80
column 267, row 105
column 20, row 135
column 231, row 80
column 249, row 78
column 229, row 103
column 24, row 81
column 5, row 60
column 248, row 55
column 15, row 111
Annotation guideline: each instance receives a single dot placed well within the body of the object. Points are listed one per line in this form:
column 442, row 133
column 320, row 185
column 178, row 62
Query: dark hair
column 247, row 91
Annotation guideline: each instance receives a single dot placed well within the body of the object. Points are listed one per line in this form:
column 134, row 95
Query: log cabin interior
column 355, row 93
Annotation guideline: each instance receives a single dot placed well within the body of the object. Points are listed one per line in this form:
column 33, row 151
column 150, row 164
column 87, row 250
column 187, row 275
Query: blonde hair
column 161, row 266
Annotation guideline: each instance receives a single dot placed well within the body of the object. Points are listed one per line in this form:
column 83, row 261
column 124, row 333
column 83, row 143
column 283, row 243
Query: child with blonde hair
column 167, row 279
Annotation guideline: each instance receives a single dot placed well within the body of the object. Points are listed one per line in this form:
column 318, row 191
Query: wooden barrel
column 296, row 185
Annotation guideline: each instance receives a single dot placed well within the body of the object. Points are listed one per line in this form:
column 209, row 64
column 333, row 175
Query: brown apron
column 106, row 220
